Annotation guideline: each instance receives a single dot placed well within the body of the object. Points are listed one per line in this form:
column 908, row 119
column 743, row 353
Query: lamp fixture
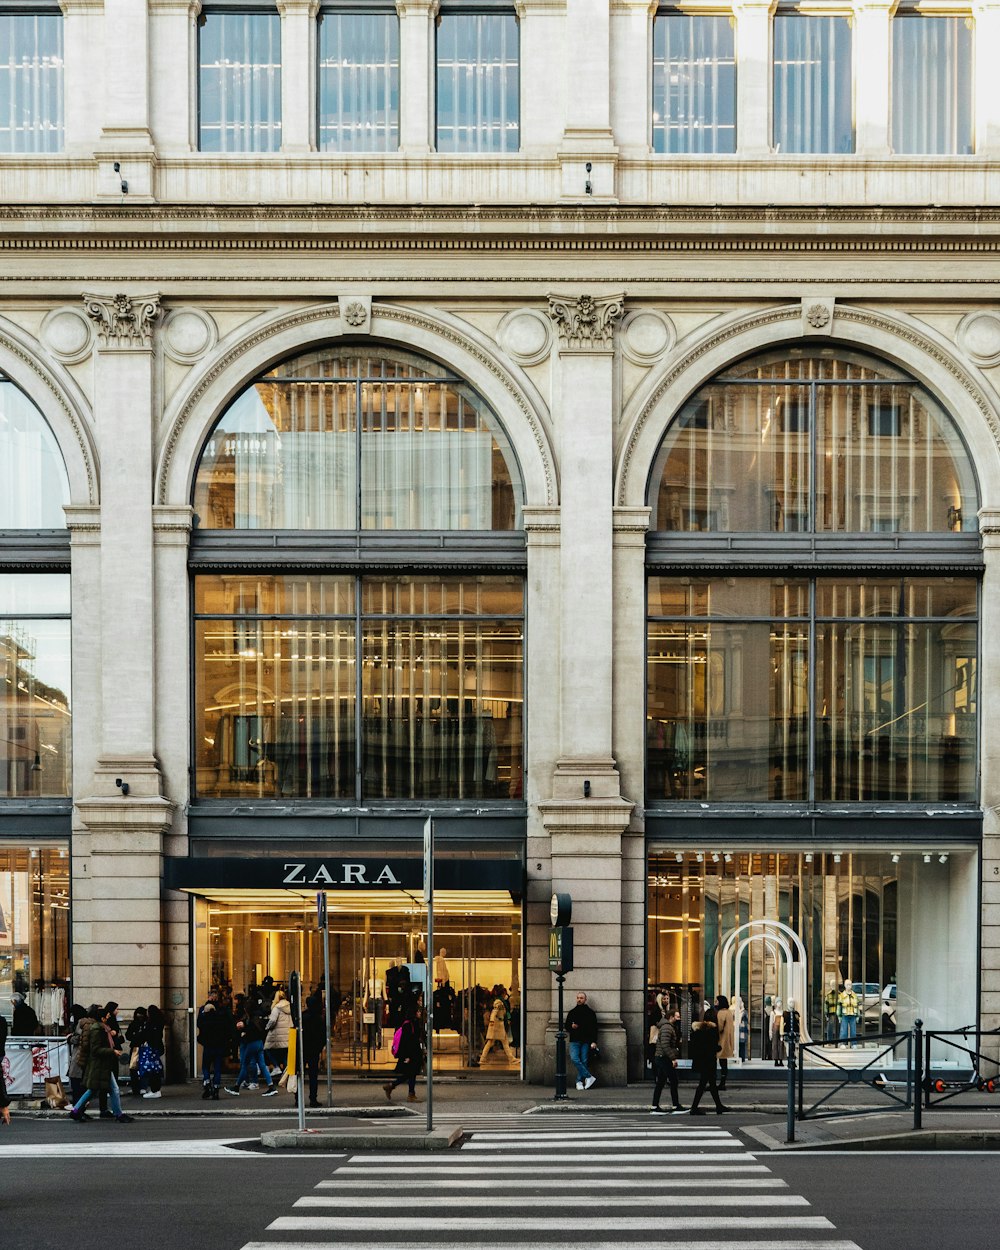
column 588, row 186
column 895, row 857
column 927, row 857
column 700, row 856
column 122, row 785
column 836, row 858
column 118, row 171
column 809, row 857
column 715, row 857
column 727, row 857
column 679, row 856
column 586, row 789
column 943, row 857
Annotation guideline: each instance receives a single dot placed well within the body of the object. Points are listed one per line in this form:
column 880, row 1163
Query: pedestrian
column 250, row 1035
column 134, row 1035
column 279, row 1023
column 496, row 1031
column 313, row 1041
column 4, row 1100
column 215, row 1030
column 665, row 1057
column 409, row 1052
column 79, row 1047
column 727, row 1036
column 653, row 1017
column 104, row 1049
column 704, row 1042
column 151, row 1050
column 24, row 1022
column 581, row 1024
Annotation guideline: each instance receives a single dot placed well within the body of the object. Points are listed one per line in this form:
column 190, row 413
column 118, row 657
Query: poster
column 30, row 1060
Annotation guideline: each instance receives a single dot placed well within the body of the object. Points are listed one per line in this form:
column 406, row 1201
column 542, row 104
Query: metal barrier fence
column 968, row 1069
column 870, row 1074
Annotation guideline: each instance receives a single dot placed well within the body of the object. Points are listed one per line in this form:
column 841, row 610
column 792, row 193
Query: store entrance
column 252, row 939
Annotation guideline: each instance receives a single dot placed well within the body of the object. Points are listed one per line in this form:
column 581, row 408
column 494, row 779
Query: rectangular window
column 812, row 105
column 478, row 82
column 932, row 83
column 694, row 84
column 31, row 82
column 239, row 76
column 34, row 933
column 358, row 81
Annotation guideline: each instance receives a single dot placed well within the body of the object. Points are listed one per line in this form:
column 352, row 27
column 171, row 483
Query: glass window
column 35, row 723
column 358, row 81
column 812, row 106
column 33, row 483
column 240, row 82
column 286, row 689
column 31, row 82
column 478, row 82
column 813, row 442
column 899, row 925
column 870, row 695
column 694, row 84
column 34, row 929
column 287, row 452
column 932, row 82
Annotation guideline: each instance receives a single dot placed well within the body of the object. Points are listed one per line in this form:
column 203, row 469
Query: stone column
column 586, row 816
column 417, row 76
column 587, row 137
column 989, row 756
column 753, row 77
column 173, row 51
column 631, row 77
column 871, row 76
column 986, row 56
column 117, row 857
column 298, row 74
column 83, row 97
column 125, row 135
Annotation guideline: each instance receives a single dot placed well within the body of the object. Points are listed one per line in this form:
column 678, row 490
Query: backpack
column 397, row 1037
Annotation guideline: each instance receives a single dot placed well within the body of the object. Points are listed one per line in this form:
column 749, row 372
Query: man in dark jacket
column 215, row 1033
column 581, row 1025
column 25, row 1022
column 666, row 1054
column 250, row 1034
column 704, row 1043
column 313, row 1041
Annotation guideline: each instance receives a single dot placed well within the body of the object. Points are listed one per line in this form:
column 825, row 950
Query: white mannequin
column 441, row 967
column 738, row 1010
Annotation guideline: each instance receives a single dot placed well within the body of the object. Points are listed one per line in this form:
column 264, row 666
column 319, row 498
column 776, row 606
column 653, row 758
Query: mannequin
column 441, row 967
column 374, row 1006
column 791, row 1022
column 742, row 1030
column 777, row 1042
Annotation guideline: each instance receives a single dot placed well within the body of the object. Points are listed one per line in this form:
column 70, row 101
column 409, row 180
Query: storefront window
column 359, row 688
column 840, row 688
column 34, row 929
column 337, row 440
column 35, row 723
column 812, row 442
column 33, row 484
column 765, row 926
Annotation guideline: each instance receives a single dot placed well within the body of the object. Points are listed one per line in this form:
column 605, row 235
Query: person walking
column 250, row 1032
column 409, row 1052
column 279, row 1024
column 104, row 1049
column 665, row 1056
column 704, row 1042
column 79, row 1048
column 215, row 1029
column 496, row 1031
column 313, row 1041
column 727, row 1036
column 581, row 1025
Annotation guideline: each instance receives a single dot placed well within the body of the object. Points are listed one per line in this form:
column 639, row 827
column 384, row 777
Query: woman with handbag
column 150, row 1063
column 278, row 1024
column 102, row 1064
column 408, row 1051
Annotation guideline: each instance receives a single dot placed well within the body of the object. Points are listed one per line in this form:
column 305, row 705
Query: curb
column 323, row 1139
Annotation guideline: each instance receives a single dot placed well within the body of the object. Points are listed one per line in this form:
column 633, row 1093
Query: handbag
column 148, row 1060
column 654, row 1034
column 55, row 1095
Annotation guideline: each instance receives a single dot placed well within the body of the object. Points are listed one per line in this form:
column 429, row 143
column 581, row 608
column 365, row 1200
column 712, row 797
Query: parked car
column 879, row 1014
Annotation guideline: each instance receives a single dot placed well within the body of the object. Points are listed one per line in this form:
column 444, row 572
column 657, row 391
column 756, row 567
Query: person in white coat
column 278, row 1024
column 496, row 1031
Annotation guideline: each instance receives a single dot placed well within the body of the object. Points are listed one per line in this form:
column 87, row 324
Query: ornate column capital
column 586, row 322
column 123, row 321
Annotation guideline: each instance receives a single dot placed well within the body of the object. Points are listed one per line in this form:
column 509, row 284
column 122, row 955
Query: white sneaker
column 150, row 1094
column 591, row 1080
column 253, row 1085
column 579, row 1085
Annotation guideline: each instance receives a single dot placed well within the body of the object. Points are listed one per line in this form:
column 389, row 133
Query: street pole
column 295, row 989
column 428, row 966
column 918, row 1059
column 326, row 991
column 560, row 1045
column 790, row 1039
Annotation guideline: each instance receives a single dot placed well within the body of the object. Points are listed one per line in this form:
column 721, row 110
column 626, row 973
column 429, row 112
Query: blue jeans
column 831, row 1028
column 252, row 1063
column 211, row 1058
column 848, row 1028
column 113, row 1097
column 578, row 1052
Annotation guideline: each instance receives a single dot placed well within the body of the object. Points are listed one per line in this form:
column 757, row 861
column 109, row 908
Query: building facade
column 576, row 422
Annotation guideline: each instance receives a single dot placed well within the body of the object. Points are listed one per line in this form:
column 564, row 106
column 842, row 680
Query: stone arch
column 60, row 401
column 927, row 356
column 438, row 335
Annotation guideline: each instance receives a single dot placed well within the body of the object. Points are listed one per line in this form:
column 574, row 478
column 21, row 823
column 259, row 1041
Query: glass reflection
column 33, row 483
column 286, row 453
column 812, row 104
column 732, row 700
column 35, row 724
column 694, row 83
column 240, row 82
column 31, row 82
column 34, row 930
column 358, row 82
column 932, row 82
column 743, row 453
column 478, row 83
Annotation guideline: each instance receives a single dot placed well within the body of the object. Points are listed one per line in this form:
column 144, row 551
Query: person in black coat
column 25, row 1022
column 313, row 1041
column 581, row 1025
column 704, row 1046
column 409, row 1053
column 215, row 1033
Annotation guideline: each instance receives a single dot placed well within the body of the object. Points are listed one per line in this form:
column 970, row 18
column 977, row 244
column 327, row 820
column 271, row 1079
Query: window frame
column 234, row 7
column 41, row 8
column 495, row 7
column 834, row 10
column 677, row 10
column 909, row 11
column 345, row 7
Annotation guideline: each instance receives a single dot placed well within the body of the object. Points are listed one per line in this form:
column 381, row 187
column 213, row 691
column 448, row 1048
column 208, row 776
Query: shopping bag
column 55, row 1095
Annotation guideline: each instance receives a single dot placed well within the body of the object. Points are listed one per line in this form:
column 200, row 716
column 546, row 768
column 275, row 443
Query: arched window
column 789, row 665
column 814, row 442
column 344, row 439
column 35, row 724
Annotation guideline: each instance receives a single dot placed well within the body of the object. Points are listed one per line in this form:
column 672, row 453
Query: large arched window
column 377, row 653
column 813, row 442
column 785, row 664
column 344, row 439
column 35, row 724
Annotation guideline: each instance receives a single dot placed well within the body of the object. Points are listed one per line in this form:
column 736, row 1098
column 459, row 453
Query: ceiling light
column 715, row 857
column 679, row 857
column 699, row 857
column 727, row 857
column 895, row 857
column 927, row 858
column 836, row 858
column 943, row 859
column 809, row 857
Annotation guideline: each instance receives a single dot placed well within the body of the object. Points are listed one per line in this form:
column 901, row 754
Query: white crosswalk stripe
column 661, row 1188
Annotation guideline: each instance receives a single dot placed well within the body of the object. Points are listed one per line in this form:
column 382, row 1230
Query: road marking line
column 602, row 1182
column 654, row 1238
column 514, row 1224
column 583, row 1161
column 586, row 1134
column 221, row 1149
column 741, row 1168
column 649, row 1201
column 607, row 1143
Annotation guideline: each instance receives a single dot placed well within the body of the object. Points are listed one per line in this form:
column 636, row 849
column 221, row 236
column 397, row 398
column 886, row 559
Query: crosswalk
column 560, row 1187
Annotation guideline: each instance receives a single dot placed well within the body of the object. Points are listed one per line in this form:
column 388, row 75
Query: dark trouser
column 153, row 1079
column 666, row 1073
column 407, row 1073
column 706, row 1080
column 211, row 1064
column 312, row 1071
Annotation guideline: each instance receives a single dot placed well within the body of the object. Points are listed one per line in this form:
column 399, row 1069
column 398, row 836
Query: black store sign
column 348, row 872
